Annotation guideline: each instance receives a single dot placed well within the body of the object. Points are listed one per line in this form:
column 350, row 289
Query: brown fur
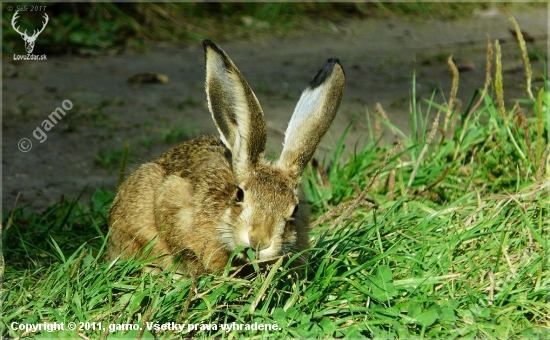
column 193, row 186
column 201, row 200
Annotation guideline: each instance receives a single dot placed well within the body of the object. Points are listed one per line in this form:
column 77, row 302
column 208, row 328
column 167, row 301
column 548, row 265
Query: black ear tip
column 208, row 43
column 325, row 72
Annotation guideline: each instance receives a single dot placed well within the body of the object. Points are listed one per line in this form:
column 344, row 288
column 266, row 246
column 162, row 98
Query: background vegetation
column 443, row 235
column 99, row 27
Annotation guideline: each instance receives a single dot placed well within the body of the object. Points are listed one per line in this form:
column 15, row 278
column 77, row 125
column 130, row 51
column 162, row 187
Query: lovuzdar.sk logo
column 29, row 39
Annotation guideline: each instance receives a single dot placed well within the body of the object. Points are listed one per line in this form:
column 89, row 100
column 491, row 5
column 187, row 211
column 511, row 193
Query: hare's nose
column 259, row 242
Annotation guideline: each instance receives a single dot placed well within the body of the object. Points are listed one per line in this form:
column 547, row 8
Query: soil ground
column 83, row 149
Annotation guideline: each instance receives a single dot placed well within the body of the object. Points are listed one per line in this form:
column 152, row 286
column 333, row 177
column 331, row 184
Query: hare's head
column 265, row 213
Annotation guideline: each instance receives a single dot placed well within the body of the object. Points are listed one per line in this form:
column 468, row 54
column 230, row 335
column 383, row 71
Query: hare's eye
column 295, row 211
column 240, row 195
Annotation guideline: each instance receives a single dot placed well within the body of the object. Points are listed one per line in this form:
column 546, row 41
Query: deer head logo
column 29, row 40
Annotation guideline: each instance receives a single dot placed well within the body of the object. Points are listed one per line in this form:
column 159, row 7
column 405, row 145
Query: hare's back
column 187, row 158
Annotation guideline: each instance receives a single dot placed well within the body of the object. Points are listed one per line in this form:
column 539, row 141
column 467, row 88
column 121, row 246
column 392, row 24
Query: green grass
column 447, row 238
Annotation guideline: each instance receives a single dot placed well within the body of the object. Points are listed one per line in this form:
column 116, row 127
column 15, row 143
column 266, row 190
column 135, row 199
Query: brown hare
column 201, row 200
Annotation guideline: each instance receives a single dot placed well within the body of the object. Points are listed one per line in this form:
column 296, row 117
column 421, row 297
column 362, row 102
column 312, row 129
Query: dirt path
column 379, row 57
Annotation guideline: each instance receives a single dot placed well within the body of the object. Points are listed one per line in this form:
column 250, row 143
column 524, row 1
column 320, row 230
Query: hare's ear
column 235, row 110
column 312, row 117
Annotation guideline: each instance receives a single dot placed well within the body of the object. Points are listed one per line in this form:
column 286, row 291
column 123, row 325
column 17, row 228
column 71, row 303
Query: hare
column 203, row 200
